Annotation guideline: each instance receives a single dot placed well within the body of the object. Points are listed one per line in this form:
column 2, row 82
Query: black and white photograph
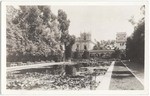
column 74, row 47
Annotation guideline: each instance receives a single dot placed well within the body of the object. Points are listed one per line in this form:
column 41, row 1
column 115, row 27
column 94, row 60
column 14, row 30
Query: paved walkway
column 123, row 79
column 105, row 80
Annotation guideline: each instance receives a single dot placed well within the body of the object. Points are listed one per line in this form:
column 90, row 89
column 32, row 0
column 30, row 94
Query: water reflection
column 60, row 77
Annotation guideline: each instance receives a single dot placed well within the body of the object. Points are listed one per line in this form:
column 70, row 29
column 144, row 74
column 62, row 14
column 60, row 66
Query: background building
column 83, row 42
column 121, row 40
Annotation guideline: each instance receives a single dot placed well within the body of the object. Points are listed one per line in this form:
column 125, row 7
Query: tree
column 104, row 45
column 66, row 38
column 116, row 53
column 135, row 43
column 76, row 54
column 32, row 32
column 86, row 54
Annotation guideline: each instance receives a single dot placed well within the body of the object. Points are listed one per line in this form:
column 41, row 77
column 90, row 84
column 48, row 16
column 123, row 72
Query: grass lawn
column 122, row 79
column 137, row 69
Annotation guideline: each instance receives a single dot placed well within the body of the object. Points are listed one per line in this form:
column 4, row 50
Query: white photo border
column 58, row 92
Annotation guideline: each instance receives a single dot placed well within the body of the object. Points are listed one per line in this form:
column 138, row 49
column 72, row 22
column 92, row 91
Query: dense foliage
column 104, row 45
column 34, row 34
column 135, row 43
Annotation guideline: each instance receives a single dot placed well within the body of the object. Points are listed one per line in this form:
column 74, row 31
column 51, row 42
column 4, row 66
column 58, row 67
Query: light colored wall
column 121, row 46
column 86, row 42
column 121, row 38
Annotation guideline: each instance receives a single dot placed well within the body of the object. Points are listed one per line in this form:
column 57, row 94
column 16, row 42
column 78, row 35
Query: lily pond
column 85, row 75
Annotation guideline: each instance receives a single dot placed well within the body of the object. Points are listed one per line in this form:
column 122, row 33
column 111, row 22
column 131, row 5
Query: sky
column 103, row 22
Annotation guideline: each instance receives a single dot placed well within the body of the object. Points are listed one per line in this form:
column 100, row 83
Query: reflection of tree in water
column 57, row 77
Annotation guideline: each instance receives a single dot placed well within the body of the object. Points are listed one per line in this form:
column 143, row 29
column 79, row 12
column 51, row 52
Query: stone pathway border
column 105, row 82
column 37, row 66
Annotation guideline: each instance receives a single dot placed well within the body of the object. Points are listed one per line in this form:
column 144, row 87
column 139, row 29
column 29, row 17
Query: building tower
column 121, row 40
column 83, row 42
